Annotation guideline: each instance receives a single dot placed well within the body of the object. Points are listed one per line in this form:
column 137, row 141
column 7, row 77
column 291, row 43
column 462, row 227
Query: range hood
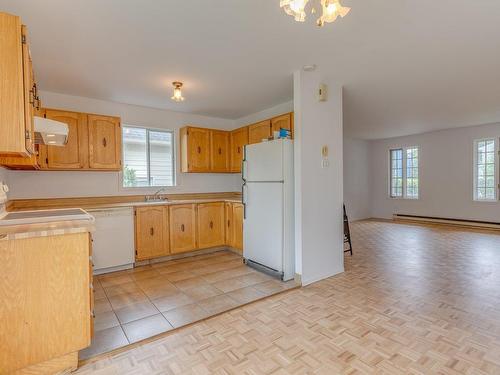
column 50, row 132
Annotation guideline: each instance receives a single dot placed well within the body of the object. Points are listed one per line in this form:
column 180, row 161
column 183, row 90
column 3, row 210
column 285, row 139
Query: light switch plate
column 3, row 192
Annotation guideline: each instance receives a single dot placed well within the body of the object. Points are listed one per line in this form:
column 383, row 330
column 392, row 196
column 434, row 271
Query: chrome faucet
column 156, row 196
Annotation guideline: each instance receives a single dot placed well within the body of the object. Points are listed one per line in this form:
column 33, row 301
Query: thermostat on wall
column 322, row 92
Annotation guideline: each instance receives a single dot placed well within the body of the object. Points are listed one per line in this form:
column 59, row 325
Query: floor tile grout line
column 196, row 302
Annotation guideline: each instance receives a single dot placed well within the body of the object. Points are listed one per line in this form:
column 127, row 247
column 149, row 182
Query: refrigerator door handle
column 243, row 164
column 243, row 201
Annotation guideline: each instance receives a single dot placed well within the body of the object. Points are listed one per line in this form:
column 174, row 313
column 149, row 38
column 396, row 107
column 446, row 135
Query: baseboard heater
column 447, row 221
column 264, row 269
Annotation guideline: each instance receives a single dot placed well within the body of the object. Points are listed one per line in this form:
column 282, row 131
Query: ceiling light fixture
column 177, row 97
column 331, row 9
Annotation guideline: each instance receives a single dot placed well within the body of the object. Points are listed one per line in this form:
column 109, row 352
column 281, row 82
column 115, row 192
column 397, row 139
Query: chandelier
column 330, row 10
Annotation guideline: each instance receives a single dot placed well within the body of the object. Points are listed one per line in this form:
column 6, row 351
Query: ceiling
column 407, row 66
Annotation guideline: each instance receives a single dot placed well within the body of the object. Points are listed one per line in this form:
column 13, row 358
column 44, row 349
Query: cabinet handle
column 104, row 142
column 199, row 150
column 182, row 227
column 220, row 151
column 152, row 231
column 239, row 150
column 32, row 96
column 211, row 225
column 228, row 223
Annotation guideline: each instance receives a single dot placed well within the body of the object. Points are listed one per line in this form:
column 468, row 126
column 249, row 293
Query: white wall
column 318, row 191
column 357, row 196
column 446, row 175
column 48, row 184
column 3, row 175
column 265, row 114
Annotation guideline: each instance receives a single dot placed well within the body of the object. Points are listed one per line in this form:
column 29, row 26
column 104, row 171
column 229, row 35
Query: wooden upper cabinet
column 151, row 232
column 282, row 122
column 74, row 154
column 211, row 224
column 237, row 242
column 182, row 228
column 238, row 140
column 195, row 149
column 104, row 142
column 30, row 94
column 16, row 89
column 219, row 151
column 210, row 150
column 259, row 131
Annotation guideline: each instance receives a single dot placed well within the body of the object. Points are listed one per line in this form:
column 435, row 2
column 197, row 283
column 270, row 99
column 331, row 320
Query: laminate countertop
column 96, row 206
column 42, row 223
column 29, row 228
column 89, row 203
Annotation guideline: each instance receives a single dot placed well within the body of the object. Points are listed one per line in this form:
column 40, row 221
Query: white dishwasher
column 113, row 239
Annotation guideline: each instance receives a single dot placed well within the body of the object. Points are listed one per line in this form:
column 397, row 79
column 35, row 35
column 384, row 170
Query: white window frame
column 475, row 165
column 174, row 160
column 404, row 174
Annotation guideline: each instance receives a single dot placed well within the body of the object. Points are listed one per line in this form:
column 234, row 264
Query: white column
column 318, row 183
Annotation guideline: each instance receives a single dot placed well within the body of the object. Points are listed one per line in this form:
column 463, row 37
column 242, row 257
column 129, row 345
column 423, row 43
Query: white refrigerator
column 268, row 201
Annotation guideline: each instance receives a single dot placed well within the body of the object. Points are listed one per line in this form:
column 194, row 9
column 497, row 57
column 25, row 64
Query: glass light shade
column 295, row 8
column 331, row 10
column 177, row 97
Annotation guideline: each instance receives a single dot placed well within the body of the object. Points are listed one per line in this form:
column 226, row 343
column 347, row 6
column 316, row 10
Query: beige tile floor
column 136, row 304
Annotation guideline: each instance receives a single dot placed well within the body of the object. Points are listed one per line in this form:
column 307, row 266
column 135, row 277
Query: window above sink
column 148, row 157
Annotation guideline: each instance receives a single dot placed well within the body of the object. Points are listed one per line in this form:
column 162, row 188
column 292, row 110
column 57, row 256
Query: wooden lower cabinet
column 182, row 228
column 45, row 311
column 234, row 225
column 237, row 242
column 210, row 224
column 228, row 213
column 151, row 232
column 171, row 229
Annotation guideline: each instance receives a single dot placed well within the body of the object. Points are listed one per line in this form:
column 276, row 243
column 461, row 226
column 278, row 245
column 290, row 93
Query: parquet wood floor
column 413, row 300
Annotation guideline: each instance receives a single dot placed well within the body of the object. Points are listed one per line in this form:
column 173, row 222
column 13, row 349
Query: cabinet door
column 195, row 149
column 239, row 138
column 282, row 122
column 74, row 154
column 12, row 93
column 30, row 95
column 182, row 228
column 151, row 234
column 228, row 237
column 219, row 151
column 257, row 132
column 104, row 142
column 238, row 226
column 210, row 224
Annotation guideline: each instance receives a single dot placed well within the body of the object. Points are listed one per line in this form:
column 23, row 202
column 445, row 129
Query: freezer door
column 263, row 225
column 263, row 161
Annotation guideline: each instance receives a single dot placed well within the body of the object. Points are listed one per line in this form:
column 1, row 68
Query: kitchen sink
column 152, row 199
